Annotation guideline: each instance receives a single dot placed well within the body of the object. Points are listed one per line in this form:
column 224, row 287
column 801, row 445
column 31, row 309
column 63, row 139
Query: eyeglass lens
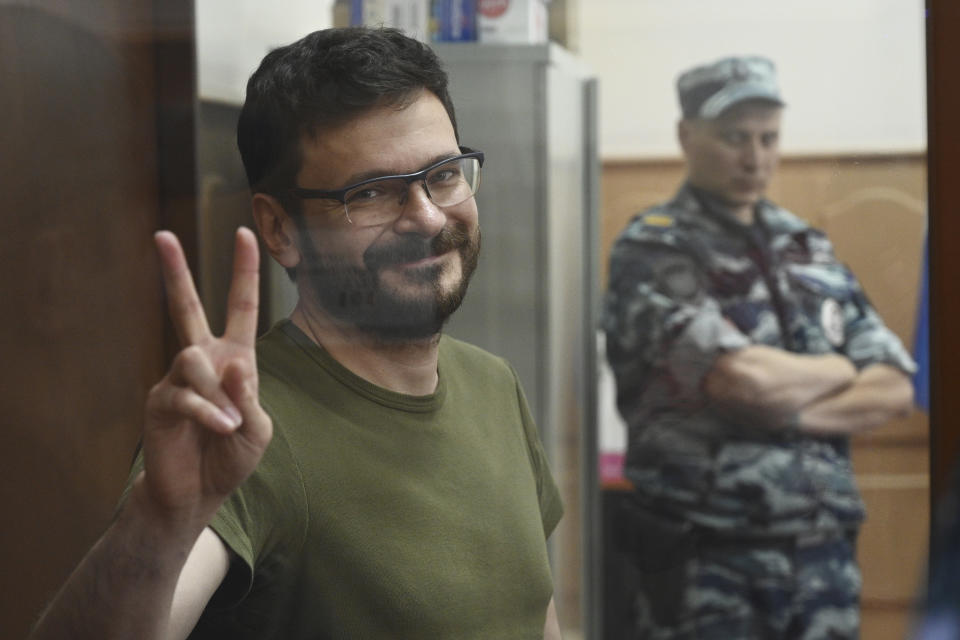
column 380, row 201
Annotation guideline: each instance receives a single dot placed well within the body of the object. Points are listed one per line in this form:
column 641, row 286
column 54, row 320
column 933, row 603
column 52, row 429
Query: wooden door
column 87, row 92
column 879, row 230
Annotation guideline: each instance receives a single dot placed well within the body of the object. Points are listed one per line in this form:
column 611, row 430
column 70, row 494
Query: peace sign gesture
column 205, row 430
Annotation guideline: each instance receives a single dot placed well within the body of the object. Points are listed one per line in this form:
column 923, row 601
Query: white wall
column 851, row 71
column 234, row 35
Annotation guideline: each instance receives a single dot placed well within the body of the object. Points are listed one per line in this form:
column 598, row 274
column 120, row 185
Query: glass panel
column 853, row 163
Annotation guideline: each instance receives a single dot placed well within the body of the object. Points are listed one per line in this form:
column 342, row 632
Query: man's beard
column 354, row 294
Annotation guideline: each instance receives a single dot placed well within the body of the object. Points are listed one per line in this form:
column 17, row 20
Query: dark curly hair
column 323, row 80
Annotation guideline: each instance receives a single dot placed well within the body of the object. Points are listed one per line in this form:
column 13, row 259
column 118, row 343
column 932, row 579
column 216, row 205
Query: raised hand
column 204, row 433
column 205, row 430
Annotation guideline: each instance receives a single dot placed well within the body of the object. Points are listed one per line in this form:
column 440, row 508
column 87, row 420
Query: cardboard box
column 512, row 21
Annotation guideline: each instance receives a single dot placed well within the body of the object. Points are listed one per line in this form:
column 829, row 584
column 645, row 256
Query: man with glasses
column 745, row 356
column 353, row 474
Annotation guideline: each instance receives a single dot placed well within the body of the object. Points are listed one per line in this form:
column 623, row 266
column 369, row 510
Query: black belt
column 802, row 540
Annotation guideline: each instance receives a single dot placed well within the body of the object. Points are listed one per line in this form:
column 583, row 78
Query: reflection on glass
column 85, row 97
column 863, row 185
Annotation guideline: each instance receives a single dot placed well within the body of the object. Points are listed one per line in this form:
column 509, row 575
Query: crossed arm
column 818, row 394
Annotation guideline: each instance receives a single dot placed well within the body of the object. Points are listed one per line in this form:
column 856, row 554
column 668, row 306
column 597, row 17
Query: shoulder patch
column 658, row 220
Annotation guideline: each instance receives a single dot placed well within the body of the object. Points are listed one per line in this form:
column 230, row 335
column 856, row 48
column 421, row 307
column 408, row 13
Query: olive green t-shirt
column 375, row 514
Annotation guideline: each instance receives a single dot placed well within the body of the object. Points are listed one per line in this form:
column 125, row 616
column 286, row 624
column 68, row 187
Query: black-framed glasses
column 380, row 200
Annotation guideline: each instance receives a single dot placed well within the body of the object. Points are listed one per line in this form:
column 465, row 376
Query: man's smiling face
column 402, row 279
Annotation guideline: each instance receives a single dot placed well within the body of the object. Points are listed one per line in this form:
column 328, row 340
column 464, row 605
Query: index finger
column 244, row 298
column 186, row 312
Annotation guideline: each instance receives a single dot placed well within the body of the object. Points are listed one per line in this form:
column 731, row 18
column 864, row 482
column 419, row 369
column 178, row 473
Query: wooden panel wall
column 873, row 208
column 82, row 329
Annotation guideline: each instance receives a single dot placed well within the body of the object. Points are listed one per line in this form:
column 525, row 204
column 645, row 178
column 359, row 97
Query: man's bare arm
column 772, row 384
column 551, row 627
column 879, row 394
column 136, row 567
column 204, row 432
column 205, row 569
column 819, row 394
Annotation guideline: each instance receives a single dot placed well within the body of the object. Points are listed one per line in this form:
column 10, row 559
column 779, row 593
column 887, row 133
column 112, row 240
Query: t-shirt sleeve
column 551, row 504
column 227, row 525
column 660, row 322
column 836, row 306
column 249, row 521
column 868, row 339
column 264, row 517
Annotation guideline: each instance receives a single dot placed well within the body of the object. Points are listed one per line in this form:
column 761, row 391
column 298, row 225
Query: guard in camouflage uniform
column 745, row 355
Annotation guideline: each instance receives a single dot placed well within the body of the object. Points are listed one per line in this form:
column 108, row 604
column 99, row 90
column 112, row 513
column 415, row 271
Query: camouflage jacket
column 689, row 282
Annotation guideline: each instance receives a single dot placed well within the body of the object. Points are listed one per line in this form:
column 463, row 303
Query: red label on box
column 493, row 8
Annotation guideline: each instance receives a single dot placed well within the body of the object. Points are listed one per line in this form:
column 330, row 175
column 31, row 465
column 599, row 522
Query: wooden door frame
column 943, row 131
column 175, row 48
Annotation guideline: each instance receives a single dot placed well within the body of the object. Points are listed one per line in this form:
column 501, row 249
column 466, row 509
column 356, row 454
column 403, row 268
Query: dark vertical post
column 176, row 102
column 943, row 94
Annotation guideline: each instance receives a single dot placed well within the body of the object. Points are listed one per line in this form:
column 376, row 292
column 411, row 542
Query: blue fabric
column 921, row 340
column 943, row 625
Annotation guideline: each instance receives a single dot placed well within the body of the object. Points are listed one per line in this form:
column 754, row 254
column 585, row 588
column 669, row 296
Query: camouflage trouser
column 757, row 591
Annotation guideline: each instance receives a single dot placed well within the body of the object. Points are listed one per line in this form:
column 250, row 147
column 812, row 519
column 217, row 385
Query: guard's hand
column 205, row 430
